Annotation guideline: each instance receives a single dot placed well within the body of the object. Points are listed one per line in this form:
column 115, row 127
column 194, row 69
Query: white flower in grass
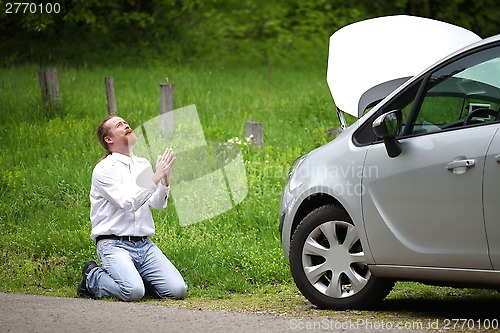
column 239, row 142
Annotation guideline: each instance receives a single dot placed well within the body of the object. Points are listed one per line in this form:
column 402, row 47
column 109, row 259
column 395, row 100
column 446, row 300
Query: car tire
column 328, row 263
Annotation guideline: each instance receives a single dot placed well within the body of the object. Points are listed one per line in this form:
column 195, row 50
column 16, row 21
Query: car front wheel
column 328, row 263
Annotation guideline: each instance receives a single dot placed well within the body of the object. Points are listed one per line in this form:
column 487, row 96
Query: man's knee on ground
column 177, row 292
column 132, row 293
column 180, row 292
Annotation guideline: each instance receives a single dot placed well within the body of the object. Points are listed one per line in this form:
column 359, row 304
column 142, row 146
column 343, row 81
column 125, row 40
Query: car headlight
column 295, row 165
column 293, row 182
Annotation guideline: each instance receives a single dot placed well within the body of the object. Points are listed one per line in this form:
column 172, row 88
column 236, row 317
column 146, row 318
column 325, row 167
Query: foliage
column 89, row 32
column 477, row 16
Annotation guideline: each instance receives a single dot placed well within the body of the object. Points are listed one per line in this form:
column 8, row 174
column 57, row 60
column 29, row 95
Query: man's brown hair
column 102, row 132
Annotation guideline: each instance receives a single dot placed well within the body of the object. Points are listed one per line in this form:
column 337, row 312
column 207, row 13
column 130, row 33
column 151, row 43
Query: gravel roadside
column 32, row 313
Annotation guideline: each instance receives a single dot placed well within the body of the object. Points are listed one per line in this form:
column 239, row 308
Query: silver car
column 410, row 190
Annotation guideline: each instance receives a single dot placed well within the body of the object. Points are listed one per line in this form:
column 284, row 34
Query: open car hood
column 369, row 59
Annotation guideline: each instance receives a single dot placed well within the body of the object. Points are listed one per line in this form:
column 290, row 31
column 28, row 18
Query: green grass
column 233, row 261
column 47, row 158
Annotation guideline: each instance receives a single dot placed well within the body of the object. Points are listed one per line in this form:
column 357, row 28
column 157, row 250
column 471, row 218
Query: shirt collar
column 123, row 158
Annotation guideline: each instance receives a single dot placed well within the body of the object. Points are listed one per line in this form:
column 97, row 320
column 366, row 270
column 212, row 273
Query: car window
column 437, row 113
column 403, row 101
column 463, row 93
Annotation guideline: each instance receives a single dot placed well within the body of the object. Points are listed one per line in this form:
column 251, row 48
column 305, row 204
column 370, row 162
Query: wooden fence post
column 166, row 106
column 50, row 88
column 254, row 130
column 110, row 95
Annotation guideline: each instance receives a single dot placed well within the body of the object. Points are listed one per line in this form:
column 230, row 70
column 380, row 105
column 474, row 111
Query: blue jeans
column 126, row 266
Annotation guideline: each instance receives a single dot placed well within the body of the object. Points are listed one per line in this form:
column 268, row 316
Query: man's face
column 120, row 132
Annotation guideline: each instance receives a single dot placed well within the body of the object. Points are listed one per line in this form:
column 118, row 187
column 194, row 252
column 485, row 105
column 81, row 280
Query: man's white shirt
column 118, row 206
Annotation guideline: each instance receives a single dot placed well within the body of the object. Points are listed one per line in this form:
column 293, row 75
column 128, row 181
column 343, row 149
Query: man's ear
column 108, row 139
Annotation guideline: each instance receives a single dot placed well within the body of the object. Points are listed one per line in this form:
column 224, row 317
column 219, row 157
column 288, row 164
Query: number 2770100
column 32, row 8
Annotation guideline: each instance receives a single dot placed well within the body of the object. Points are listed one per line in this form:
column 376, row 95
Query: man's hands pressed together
column 164, row 165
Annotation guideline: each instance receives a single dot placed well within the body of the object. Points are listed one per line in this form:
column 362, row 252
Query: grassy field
column 46, row 160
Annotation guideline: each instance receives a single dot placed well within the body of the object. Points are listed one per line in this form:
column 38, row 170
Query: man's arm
column 129, row 197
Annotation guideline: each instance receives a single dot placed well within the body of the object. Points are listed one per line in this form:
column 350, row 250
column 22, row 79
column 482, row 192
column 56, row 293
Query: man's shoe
column 82, row 289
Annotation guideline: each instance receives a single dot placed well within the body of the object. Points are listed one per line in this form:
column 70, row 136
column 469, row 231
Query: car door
column 418, row 211
column 491, row 200
column 425, row 206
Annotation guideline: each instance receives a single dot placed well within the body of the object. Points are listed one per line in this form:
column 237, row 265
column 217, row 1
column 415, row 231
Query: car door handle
column 461, row 163
column 497, row 158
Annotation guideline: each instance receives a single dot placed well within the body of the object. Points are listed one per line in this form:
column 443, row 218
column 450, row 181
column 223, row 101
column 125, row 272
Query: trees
column 479, row 15
column 87, row 30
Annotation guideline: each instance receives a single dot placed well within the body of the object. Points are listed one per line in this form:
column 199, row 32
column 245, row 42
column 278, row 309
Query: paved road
column 29, row 313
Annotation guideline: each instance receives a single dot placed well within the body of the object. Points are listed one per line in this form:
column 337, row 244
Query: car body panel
column 440, row 276
column 425, row 214
column 491, row 200
column 325, row 171
column 374, row 49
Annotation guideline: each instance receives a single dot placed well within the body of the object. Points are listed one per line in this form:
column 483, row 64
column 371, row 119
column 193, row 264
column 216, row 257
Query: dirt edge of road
column 33, row 313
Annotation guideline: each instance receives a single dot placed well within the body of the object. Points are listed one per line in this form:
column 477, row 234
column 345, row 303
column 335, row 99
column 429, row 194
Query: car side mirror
column 387, row 127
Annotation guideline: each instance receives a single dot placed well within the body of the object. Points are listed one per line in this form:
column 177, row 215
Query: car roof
column 370, row 59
